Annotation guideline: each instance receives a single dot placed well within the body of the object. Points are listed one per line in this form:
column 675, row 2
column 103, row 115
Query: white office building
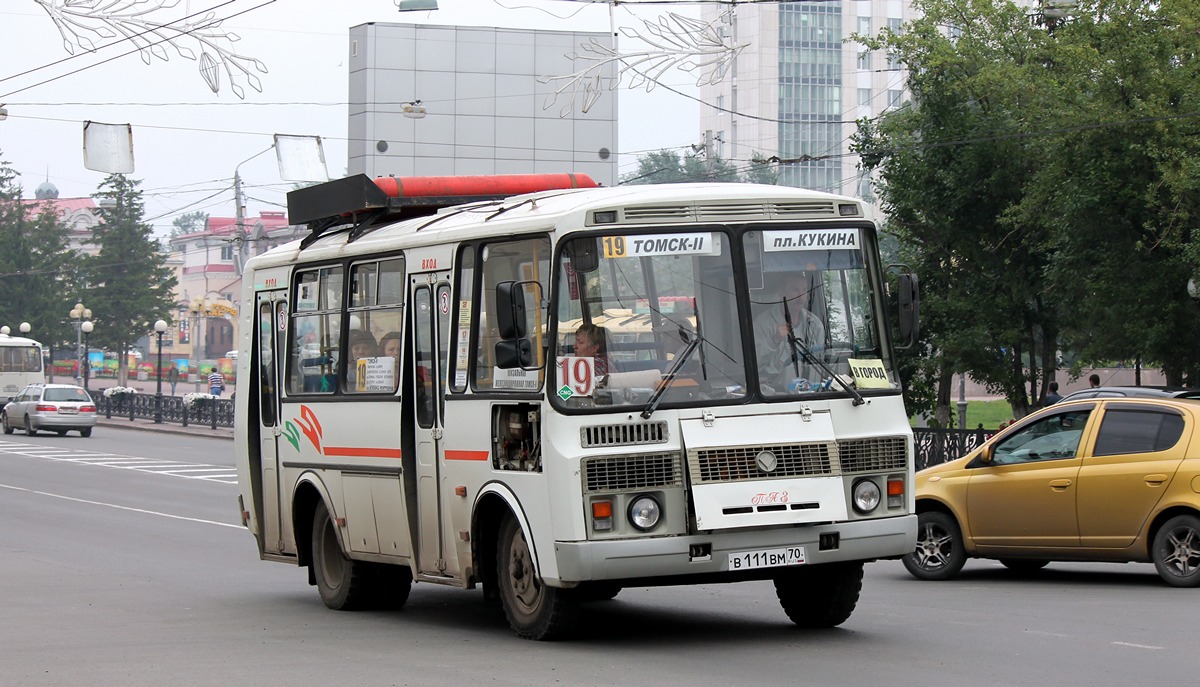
column 800, row 85
column 429, row 100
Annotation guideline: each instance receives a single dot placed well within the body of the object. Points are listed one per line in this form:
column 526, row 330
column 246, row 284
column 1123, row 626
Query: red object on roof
column 498, row 184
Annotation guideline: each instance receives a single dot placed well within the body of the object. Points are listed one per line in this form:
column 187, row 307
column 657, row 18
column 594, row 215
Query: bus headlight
column 865, row 496
column 645, row 513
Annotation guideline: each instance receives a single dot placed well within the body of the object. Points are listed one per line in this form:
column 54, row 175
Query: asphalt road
column 123, row 564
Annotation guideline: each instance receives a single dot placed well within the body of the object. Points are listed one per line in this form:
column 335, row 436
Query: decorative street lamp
column 160, row 327
column 79, row 314
column 87, row 363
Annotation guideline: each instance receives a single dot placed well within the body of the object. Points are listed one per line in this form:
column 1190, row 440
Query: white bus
column 20, row 364
column 418, row 415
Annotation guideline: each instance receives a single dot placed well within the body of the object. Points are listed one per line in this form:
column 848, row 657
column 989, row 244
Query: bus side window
column 526, row 261
column 315, row 346
column 464, row 297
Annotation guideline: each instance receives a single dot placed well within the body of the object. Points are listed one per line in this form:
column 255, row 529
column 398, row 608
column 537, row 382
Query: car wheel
column 1023, row 565
column 939, row 554
column 1176, row 551
column 30, row 430
column 534, row 610
column 85, row 433
column 4, row 421
column 820, row 596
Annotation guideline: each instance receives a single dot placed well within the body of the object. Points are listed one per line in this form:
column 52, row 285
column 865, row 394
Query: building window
column 864, row 26
column 864, row 60
column 721, row 103
column 894, row 97
column 864, row 97
column 227, row 252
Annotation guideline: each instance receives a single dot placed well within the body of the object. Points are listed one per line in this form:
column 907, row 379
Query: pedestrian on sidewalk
column 1053, row 396
column 173, row 378
column 1093, row 381
column 216, row 382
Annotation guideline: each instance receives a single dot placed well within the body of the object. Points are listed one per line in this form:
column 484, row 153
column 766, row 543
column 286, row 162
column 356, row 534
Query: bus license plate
column 766, row 558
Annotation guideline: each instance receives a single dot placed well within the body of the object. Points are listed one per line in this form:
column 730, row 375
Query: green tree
column 131, row 286
column 669, row 167
column 189, row 223
column 1044, row 183
column 37, row 267
column 1120, row 179
column 949, row 204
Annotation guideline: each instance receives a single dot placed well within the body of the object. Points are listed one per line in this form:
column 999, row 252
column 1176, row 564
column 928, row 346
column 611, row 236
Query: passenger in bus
column 591, row 341
column 778, row 361
column 389, row 347
column 362, row 345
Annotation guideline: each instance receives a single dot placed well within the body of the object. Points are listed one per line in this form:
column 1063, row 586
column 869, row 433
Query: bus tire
column 342, row 582
column 534, row 610
column 820, row 596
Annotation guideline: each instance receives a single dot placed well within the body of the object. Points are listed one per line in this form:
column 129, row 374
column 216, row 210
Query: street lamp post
column 79, row 314
column 87, row 363
column 160, row 327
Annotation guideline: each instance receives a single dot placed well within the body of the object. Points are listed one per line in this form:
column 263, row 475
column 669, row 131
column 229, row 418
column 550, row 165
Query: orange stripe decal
column 356, row 452
column 466, row 455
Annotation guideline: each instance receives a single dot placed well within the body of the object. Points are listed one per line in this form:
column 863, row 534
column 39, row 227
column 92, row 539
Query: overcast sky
column 188, row 140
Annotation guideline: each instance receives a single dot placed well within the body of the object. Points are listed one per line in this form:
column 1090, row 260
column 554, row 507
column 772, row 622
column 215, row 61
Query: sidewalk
column 141, row 425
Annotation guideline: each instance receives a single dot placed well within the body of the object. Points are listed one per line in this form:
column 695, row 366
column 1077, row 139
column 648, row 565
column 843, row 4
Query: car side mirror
column 986, row 455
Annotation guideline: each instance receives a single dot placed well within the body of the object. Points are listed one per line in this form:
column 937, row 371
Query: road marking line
column 113, row 505
column 1139, row 646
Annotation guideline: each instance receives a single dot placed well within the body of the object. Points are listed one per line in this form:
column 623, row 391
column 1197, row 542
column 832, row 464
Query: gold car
column 1114, row 480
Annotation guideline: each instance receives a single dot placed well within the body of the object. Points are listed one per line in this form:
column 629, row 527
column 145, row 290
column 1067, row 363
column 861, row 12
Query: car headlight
column 645, row 513
column 865, row 496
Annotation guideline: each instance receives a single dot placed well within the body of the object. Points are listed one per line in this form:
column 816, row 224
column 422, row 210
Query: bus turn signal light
column 602, row 515
column 895, row 492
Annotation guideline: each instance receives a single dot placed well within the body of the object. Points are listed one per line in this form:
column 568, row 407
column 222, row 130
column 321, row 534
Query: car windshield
column 61, row 395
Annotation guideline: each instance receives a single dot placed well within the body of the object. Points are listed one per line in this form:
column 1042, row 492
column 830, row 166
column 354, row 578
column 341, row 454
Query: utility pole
column 239, row 240
column 708, row 154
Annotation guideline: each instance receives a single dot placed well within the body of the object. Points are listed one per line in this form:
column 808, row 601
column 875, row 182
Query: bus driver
column 778, row 360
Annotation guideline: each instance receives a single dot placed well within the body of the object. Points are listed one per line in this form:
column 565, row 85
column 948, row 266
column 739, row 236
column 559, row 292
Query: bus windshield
column 629, row 306
column 653, row 318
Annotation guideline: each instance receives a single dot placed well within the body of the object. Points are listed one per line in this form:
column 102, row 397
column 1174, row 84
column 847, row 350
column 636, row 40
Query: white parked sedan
column 57, row 408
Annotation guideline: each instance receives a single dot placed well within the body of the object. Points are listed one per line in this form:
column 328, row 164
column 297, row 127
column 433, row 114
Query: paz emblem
column 766, row 461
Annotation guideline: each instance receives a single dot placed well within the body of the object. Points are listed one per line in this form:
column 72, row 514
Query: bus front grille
column 620, row 473
column 873, row 455
column 634, row 434
column 737, row 463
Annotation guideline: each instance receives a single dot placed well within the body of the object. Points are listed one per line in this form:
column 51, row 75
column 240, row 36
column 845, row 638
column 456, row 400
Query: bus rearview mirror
column 510, row 310
column 514, row 353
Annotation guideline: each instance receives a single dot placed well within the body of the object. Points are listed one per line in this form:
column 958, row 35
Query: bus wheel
column 820, row 596
column 341, row 582
column 534, row 610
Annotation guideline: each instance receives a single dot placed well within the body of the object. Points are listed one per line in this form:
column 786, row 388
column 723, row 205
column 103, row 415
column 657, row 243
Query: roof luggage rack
column 362, row 202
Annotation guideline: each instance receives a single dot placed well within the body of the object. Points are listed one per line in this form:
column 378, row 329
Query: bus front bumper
column 709, row 555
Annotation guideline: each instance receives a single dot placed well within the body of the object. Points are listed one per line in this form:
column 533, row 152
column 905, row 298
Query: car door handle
column 1155, row 480
column 1059, row 484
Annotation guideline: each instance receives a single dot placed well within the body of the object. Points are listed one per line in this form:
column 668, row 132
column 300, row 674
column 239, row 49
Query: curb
column 179, row 430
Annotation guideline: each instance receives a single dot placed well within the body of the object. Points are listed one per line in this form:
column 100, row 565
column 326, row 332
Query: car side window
column 1137, row 431
column 1055, row 437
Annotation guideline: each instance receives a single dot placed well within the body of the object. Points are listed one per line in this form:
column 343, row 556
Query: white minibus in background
column 21, row 364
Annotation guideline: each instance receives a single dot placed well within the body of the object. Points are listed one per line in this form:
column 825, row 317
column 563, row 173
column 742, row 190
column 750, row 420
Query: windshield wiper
column 669, row 377
column 808, row 356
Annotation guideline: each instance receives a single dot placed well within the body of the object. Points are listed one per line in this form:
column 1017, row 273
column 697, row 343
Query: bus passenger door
column 272, row 317
column 430, row 308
